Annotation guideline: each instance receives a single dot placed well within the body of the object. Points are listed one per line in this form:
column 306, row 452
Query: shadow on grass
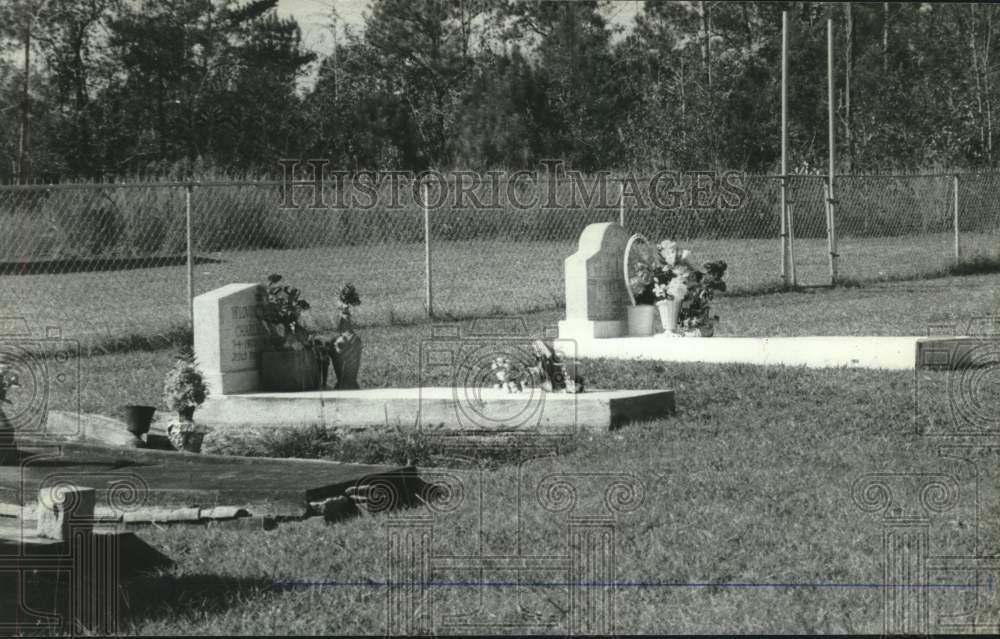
column 167, row 596
column 400, row 447
column 975, row 266
column 979, row 265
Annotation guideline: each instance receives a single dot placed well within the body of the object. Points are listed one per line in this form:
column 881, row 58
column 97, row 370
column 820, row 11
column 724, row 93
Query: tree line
column 98, row 88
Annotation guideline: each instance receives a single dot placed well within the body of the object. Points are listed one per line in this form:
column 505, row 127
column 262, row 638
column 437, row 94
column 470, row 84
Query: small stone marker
column 228, row 338
column 596, row 296
column 65, row 509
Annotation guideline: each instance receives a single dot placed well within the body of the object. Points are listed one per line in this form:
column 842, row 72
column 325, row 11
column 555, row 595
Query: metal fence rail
column 111, row 261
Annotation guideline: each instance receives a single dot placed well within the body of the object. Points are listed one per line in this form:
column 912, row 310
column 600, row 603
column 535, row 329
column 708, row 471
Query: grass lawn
column 750, row 483
column 470, row 278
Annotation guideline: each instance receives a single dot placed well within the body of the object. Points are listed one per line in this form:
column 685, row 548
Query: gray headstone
column 228, row 338
column 596, row 295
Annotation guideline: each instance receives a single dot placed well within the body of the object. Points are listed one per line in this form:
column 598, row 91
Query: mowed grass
column 469, row 279
column 751, row 483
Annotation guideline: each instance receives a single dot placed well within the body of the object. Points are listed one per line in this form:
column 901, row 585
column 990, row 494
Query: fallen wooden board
column 150, row 484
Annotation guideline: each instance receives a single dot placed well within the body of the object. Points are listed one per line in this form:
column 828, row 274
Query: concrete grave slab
column 889, row 353
column 439, row 408
column 952, row 353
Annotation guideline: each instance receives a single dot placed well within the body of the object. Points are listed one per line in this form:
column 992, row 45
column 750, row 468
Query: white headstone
column 228, row 338
column 596, row 296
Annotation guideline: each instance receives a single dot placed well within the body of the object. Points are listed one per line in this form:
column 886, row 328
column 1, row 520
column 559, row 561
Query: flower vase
column 139, row 419
column 192, row 441
column 346, row 354
column 669, row 312
column 183, row 437
column 640, row 320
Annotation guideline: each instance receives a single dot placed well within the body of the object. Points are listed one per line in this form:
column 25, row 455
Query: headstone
column 65, row 509
column 596, row 296
column 229, row 337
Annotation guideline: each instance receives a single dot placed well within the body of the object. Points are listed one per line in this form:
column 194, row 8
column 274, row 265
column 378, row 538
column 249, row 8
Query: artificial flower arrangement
column 343, row 350
column 184, row 387
column 548, row 372
column 184, row 390
column 281, row 311
column 669, row 279
column 8, row 380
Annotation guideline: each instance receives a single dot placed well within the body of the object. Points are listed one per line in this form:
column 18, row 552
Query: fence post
column 830, row 225
column 785, row 243
column 427, row 256
column 621, row 203
column 831, row 231
column 958, row 243
column 190, row 254
column 790, row 231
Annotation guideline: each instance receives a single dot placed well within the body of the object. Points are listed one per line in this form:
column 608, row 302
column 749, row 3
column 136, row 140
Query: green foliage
column 349, row 297
column 281, row 309
column 424, row 83
column 396, row 447
column 8, row 380
column 184, row 386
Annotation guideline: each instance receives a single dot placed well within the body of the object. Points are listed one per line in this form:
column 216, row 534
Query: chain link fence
column 109, row 262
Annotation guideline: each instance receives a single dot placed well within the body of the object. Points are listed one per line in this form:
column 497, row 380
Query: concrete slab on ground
column 151, row 485
column 440, row 409
column 890, row 353
column 954, row 353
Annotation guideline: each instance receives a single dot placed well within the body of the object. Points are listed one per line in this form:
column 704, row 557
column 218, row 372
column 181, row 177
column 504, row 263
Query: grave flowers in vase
column 184, row 389
column 292, row 364
column 683, row 292
column 343, row 351
column 640, row 267
column 671, row 280
column 695, row 316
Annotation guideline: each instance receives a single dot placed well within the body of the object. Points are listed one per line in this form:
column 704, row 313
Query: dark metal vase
column 138, row 419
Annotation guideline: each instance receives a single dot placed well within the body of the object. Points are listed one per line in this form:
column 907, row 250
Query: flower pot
column 138, row 420
column 289, row 371
column 192, row 442
column 640, row 320
column 346, row 360
column 187, row 441
column 669, row 311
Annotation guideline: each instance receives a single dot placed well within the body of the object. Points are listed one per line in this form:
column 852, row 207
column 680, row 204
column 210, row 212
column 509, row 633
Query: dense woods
column 120, row 87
